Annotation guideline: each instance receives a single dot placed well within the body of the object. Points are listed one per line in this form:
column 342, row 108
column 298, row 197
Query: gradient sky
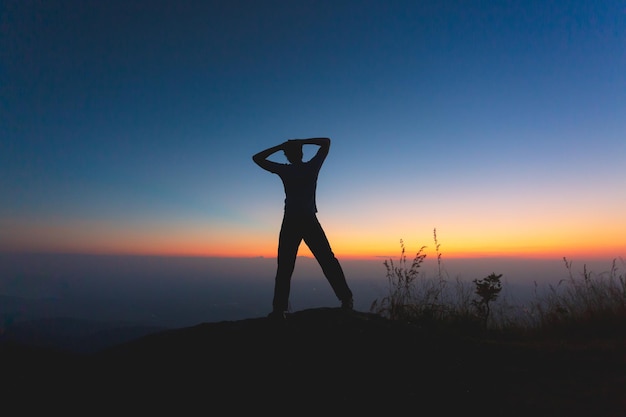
column 129, row 126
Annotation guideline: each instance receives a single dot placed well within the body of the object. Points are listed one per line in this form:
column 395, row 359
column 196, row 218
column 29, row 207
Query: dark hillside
column 326, row 360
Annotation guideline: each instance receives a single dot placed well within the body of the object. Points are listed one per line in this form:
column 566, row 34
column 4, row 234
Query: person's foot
column 277, row 315
column 347, row 304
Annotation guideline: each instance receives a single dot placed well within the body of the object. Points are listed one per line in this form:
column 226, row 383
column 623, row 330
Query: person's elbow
column 261, row 161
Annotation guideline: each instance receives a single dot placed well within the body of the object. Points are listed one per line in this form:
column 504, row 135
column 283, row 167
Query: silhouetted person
column 300, row 220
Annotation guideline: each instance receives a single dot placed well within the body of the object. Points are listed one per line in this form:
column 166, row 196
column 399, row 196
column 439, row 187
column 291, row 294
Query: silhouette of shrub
column 487, row 289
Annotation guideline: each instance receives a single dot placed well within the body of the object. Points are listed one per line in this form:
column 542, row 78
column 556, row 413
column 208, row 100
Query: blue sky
column 129, row 126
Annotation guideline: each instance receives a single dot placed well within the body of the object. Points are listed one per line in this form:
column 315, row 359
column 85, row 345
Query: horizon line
column 351, row 257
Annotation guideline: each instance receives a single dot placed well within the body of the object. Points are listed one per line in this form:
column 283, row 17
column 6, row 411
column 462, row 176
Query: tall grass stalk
column 415, row 297
column 401, row 279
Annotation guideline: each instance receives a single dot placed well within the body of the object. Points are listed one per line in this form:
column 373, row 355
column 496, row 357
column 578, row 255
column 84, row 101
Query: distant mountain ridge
column 73, row 335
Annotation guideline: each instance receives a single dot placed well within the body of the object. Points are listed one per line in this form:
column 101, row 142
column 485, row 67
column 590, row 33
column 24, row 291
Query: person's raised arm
column 323, row 142
column 261, row 160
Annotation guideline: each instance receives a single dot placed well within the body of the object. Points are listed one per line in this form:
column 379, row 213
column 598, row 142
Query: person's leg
column 315, row 238
column 288, row 243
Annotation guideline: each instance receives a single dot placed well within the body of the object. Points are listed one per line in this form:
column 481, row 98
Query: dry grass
column 586, row 306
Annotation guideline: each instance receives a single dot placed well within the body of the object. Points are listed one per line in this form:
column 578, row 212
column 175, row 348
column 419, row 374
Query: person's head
column 293, row 152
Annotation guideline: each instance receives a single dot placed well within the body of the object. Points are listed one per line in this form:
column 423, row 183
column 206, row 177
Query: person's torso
column 300, row 183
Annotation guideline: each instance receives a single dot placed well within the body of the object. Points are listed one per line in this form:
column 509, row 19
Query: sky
column 128, row 127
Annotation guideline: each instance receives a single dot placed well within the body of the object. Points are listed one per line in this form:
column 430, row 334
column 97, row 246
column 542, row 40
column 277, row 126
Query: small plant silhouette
column 487, row 290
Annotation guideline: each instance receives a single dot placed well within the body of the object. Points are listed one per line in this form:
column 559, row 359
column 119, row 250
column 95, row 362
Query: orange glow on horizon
column 347, row 243
column 374, row 252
